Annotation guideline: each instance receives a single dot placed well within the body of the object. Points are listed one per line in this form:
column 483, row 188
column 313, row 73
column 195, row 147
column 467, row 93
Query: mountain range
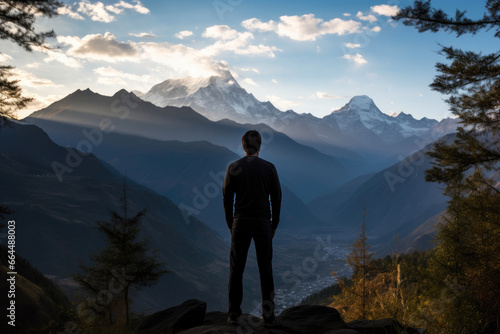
column 69, row 120
column 64, row 168
column 358, row 134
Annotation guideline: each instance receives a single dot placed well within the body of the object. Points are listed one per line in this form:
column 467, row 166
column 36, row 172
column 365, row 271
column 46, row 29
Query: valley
column 76, row 151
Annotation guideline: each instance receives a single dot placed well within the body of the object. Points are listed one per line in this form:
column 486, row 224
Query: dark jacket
column 254, row 181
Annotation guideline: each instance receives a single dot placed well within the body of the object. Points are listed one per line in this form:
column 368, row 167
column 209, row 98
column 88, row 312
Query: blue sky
column 309, row 56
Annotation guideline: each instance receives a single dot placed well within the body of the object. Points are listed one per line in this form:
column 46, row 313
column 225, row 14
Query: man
column 256, row 216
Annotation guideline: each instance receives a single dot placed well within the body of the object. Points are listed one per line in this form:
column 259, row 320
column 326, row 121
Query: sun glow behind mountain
column 311, row 57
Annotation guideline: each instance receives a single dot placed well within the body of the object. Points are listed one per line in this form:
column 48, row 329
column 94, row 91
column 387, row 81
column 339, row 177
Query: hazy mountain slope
column 322, row 205
column 54, row 220
column 191, row 174
column 304, row 170
column 420, row 238
column 397, row 200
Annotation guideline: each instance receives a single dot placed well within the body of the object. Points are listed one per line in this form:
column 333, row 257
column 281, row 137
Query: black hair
column 251, row 141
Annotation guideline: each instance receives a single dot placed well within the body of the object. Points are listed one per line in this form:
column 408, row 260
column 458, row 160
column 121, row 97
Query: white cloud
column 183, row 34
column 234, row 41
column 249, row 69
column 138, row 7
column 305, row 27
column 357, row 58
column 376, row 29
column 143, row 35
column 182, row 60
column 61, row 57
column 100, row 47
column 281, row 103
column 221, row 32
column 4, row 57
column 250, row 82
column 102, row 13
column 352, row 45
column 96, row 11
column 28, row 79
column 274, row 81
column 257, row 50
column 385, row 10
column 33, row 65
column 326, row 96
column 177, row 60
column 66, row 10
column 112, row 77
column 347, row 14
column 114, row 9
column 370, row 18
column 256, row 24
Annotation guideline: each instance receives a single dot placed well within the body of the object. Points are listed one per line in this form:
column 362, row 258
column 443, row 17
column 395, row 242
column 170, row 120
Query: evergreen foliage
column 466, row 265
column 123, row 265
column 17, row 24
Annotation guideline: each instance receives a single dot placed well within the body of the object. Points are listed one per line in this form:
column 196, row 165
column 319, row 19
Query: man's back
column 254, row 181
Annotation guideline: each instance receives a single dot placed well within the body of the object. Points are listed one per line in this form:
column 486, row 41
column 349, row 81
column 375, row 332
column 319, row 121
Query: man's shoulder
column 248, row 161
column 268, row 163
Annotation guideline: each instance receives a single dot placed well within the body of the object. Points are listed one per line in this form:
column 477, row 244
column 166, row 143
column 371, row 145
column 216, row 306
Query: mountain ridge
column 57, row 217
column 357, row 129
column 68, row 120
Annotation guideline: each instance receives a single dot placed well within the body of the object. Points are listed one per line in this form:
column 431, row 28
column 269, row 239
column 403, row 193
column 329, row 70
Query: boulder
column 215, row 323
column 191, row 318
column 175, row 319
column 312, row 319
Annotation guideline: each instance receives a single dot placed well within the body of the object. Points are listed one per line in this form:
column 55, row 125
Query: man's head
column 251, row 141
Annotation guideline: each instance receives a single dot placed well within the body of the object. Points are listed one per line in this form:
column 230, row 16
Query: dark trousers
column 242, row 233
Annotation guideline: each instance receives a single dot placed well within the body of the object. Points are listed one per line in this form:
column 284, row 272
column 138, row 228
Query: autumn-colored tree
column 356, row 299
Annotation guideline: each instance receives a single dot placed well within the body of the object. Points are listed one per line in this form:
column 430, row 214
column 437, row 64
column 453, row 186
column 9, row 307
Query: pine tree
column 11, row 98
column 472, row 81
column 357, row 298
column 121, row 266
column 467, row 258
column 17, row 24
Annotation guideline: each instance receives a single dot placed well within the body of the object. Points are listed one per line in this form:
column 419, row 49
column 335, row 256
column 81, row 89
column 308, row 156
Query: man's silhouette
column 256, row 185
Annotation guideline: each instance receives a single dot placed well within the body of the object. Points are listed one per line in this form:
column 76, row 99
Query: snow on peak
column 183, row 87
column 361, row 102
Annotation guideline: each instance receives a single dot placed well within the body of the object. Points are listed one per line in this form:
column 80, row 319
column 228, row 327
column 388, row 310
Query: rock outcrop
column 191, row 318
column 175, row 319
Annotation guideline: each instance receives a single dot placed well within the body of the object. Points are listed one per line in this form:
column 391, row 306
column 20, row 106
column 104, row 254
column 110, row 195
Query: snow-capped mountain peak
column 362, row 113
column 215, row 97
column 361, row 103
column 180, row 88
column 362, row 109
column 220, row 97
